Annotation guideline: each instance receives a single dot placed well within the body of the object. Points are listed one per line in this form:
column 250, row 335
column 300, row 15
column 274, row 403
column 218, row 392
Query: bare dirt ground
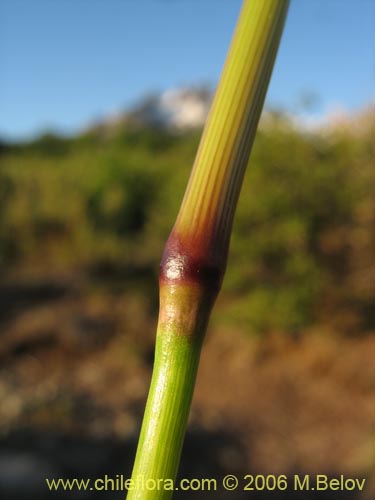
column 75, row 368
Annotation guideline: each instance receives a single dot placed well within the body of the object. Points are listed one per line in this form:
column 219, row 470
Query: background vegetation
column 83, row 222
column 301, row 245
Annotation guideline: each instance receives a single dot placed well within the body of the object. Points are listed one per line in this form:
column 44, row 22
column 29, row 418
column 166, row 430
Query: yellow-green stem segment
column 195, row 255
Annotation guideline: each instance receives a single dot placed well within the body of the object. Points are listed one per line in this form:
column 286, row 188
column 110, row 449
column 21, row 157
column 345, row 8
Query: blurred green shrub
column 122, row 200
column 301, row 243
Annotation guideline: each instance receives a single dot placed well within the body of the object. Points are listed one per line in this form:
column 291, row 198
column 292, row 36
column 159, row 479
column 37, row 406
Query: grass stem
column 195, row 255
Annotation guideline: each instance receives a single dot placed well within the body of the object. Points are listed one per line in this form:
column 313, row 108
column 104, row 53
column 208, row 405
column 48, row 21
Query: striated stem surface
column 195, row 255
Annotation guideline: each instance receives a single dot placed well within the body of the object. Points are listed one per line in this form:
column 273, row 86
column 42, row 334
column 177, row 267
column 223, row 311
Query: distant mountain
column 186, row 108
column 179, row 109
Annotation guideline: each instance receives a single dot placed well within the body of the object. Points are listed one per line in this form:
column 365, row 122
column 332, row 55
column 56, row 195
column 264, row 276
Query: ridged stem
column 194, row 258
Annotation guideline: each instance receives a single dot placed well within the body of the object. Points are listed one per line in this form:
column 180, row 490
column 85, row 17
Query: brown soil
column 75, row 368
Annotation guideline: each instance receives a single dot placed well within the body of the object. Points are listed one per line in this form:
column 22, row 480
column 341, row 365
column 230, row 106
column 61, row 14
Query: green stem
column 194, row 259
column 172, row 385
column 183, row 319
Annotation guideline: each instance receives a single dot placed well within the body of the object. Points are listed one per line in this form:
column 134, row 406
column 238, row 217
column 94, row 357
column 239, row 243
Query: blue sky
column 65, row 63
